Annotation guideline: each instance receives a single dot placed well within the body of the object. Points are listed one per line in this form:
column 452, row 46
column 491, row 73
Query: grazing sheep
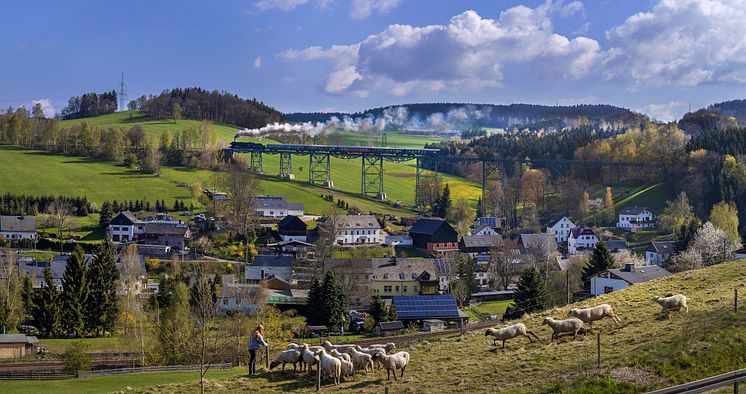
column 516, row 330
column 290, row 356
column 292, row 345
column 330, row 365
column 328, row 346
column 672, row 303
column 341, row 356
column 389, row 347
column 348, row 368
column 589, row 315
column 392, row 362
column 309, row 358
column 371, row 352
column 363, row 360
column 572, row 325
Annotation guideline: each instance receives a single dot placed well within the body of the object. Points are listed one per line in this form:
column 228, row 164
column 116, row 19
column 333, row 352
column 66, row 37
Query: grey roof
column 640, row 274
column 276, row 202
column 538, row 241
column 480, row 227
column 124, row 218
column 403, row 269
column 661, row 247
column 633, row 210
column 181, row 229
column 428, row 226
column 391, row 325
column 17, row 338
column 480, row 241
column 280, row 267
column 616, row 244
column 239, row 291
column 358, row 221
column 18, row 223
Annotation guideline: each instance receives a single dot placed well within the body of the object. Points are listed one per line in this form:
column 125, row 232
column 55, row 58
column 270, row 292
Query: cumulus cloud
column 665, row 112
column 361, row 9
column 684, row 42
column 571, row 8
column 46, row 106
column 282, row 5
column 468, row 52
column 258, row 62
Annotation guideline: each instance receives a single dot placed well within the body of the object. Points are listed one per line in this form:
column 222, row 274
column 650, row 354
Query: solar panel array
column 426, row 307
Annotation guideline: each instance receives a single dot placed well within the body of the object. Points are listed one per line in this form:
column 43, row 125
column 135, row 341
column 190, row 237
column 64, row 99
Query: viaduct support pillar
column 286, row 165
column 255, row 163
column 319, row 170
column 372, row 176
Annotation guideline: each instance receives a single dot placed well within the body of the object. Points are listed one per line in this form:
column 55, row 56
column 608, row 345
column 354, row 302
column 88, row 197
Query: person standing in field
column 255, row 341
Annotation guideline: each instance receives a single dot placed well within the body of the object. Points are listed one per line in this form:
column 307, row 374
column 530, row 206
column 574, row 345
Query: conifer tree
column 75, row 291
column 102, row 309
column 444, row 202
column 313, row 303
column 530, row 295
column 392, row 313
column 378, row 309
column 600, row 260
column 46, row 310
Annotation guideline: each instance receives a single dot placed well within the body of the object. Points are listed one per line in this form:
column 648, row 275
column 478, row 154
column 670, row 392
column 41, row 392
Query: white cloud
column 571, row 9
column 46, row 106
column 361, row 9
column 666, row 112
column 468, row 52
column 258, row 62
column 684, row 42
column 282, row 5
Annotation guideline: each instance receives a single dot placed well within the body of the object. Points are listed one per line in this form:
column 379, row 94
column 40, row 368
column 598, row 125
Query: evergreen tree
column 480, row 210
column 216, row 285
column 392, row 312
column 27, row 295
column 378, row 309
column 600, row 260
column 75, row 291
column 313, row 304
column 444, row 202
column 466, row 275
column 530, row 295
column 46, row 309
column 102, row 309
column 105, row 215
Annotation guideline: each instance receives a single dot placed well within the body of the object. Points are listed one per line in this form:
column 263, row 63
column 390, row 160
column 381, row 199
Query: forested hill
column 734, row 108
column 491, row 115
column 201, row 104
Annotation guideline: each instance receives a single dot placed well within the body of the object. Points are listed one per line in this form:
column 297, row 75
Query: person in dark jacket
column 255, row 341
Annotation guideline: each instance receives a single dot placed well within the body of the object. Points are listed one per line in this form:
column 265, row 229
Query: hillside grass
column 646, row 351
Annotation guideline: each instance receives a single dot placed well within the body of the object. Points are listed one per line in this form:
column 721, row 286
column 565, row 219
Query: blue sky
column 654, row 56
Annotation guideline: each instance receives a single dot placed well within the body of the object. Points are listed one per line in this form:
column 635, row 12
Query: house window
column 397, row 289
column 225, row 301
column 404, row 289
column 387, row 289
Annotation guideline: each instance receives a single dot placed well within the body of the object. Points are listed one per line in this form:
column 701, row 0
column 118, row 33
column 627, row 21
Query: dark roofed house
column 18, row 227
column 275, row 271
column 621, row 278
column 616, row 245
column 292, row 228
column 433, row 235
column 390, row 328
column 477, row 244
column 658, row 252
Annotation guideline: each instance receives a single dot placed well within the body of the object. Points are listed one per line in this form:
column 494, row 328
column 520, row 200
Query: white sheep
column 292, row 345
column 672, row 303
column 589, row 315
column 389, row 347
column 392, row 362
column 572, row 325
column 330, row 365
column 341, row 356
column 371, row 352
column 509, row 332
column 309, row 358
column 328, row 346
column 363, row 360
column 348, row 368
column 290, row 356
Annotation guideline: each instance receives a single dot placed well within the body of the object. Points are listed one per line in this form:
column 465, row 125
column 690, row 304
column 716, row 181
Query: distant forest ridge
column 492, row 115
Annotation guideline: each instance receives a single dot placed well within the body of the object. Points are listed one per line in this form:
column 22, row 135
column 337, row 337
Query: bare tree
column 502, row 261
column 128, row 288
column 240, row 209
column 60, row 217
column 328, row 232
column 10, row 290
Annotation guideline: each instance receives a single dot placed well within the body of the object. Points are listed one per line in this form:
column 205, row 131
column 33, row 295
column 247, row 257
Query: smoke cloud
column 393, row 118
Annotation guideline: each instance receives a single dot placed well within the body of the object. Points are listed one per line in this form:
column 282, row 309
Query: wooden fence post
column 735, row 300
column 598, row 343
column 318, row 377
column 266, row 357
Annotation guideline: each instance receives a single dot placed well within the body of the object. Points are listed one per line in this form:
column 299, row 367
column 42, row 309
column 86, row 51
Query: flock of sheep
column 342, row 361
column 577, row 319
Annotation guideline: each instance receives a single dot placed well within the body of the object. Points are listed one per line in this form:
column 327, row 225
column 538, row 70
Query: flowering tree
column 710, row 245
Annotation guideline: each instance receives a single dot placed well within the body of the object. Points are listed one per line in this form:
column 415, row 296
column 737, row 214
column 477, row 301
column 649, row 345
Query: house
column 581, row 239
column 277, row 206
column 298, row 249
column 492, row 222
column 433, row 235
column 560, row 228
column 17, row 345
column 615, row 245
column 433, row 325
column 635, row 219
column 18, row 227
column 658, row 252
column 419, row 308
column 358, row 230
column 537, row 242
column 274, row 271
column 621, row 278
column 403, row 276
column 242, row 298
column 152, row 230
column 483, row 229
column 292, row 228
column 482, row 275
column 390, row 328
column 474, row 245
column 398, row 240
column 355, row 275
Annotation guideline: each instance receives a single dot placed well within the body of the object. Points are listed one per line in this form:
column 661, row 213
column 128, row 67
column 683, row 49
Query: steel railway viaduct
column 427, row 163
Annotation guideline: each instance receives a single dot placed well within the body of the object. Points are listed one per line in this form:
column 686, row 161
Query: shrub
column 76, row 359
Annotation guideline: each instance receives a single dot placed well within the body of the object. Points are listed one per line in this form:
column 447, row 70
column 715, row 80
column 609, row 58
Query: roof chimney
column 629, row 267
column 393, row 259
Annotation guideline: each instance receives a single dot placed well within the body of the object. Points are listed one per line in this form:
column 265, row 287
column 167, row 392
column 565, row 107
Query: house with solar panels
column 417, row 309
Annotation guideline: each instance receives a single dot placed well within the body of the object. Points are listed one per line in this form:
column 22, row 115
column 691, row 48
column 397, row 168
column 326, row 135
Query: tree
column 153, row 158
column 676, row 214
column 105, row 215
column 130, row 271
column 175, row 326
column 176, row 112
column 47, row 309
column 241, row 216
column 530, row 295
column 462, row 214
column 11, row 303
column 533, row 186
column 76, row 358
column 724, row 215
column 332, row 310
column 444, row 202
column 59, row 216
column 102, row 309
column 466, row 284
column 599, row 261
column 136, row 135
column 501, row 261
column 378, row 309
column 609, row 206
column 710, row 245
column 166, row 140
column 392, row 313
column 314, row 302
column 328, row 231
column 75, row 291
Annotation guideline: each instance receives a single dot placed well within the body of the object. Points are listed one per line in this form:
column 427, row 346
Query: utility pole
column 122, row 94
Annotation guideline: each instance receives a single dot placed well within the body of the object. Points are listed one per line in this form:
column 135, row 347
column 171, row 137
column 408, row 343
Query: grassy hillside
column 646, row 351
